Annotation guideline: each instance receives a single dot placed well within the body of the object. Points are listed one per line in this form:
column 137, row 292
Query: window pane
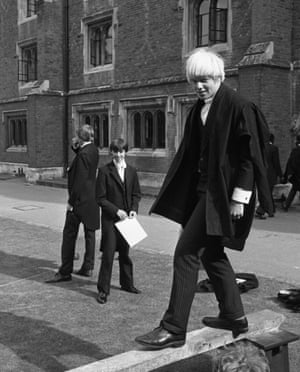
column 108, row 44
column 137, row 130
column 221, row 24
column 16, row 131
column 218, row 21
column 31, row 7
column 161, row 130
column 148, row 129
column 24, row 132
column 203, row 23
column 11, row 133
column 17, row 138
column 99, row 121
column 96, row 127
column 28, row 64
column 104, row 120
column 100, row 43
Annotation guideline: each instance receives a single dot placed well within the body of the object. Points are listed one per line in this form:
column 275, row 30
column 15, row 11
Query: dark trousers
column 261, row 211
column 193, row 245
column 70, row 233
column 291, row 196
column 110, row 242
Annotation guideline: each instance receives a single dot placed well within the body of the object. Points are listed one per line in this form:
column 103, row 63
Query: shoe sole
column 129, row 291
column 159, row 347
column 235, row 331
column 58, row 281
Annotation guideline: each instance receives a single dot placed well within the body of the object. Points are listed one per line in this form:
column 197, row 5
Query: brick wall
column 50, row 43
column 45, row 135
column 148, row 63
column 8, row 38
column 269, row 88
column 149, row 40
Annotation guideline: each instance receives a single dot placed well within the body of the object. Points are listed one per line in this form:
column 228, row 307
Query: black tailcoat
column 292, row 171
column 113, row 194
column 230, row 118
column 274, row 167
column 82, row 186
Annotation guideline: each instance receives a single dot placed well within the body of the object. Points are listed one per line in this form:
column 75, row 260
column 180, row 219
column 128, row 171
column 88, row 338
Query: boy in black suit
column 118, row 194
column 210, row 190
column 81, row 206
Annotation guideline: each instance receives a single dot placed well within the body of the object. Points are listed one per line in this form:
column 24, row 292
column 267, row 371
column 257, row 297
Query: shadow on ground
column 56, row 327
column 38, row 345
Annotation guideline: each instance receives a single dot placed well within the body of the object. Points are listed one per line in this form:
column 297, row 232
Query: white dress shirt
column 121, row 168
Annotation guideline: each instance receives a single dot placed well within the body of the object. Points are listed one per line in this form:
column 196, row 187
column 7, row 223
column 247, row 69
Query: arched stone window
column 148, row 128
column 99, row 122
column 211, row 21
column 137, row 133
column 100, row 37
column 16, row 131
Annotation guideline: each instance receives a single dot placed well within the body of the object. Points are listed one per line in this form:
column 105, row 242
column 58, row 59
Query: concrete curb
column 198, row 342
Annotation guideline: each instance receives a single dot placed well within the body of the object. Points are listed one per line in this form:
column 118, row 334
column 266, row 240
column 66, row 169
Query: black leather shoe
column 58, row 277
column 102, row 297
column 260, row 216
column 131, row 289
column 236, row 326
column 83, row 272
column 160, row 338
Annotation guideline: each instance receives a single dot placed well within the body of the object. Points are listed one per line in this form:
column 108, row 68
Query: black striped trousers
column 193, row 245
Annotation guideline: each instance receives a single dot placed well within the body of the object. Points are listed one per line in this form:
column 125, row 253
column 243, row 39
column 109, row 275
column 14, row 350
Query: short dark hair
column 118, row 145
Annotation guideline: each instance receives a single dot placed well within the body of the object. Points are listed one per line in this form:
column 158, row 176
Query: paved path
column 272, row 250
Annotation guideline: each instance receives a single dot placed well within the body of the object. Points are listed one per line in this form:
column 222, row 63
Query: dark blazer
column 112, row 194
column 292, row 171
column 233, row 121
column 274, row 168
column 82, row 186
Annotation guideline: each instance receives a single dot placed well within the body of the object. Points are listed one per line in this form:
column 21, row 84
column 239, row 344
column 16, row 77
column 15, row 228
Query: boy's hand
column 236, row 210
column 122, row 214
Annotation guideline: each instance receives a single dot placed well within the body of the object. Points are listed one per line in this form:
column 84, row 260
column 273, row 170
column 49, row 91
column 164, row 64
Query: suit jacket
column 112, row 194
column 82, row 186
column 232, row 120
column 274, row 168
column 292, row 171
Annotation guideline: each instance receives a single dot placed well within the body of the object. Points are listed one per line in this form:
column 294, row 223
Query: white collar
column 85, row 143
column 122, row 164
column 209, row 100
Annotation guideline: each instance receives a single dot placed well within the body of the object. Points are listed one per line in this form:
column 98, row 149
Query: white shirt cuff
column 241, row 196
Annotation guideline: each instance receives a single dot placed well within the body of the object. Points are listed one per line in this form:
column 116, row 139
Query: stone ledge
column 259, row 53
column 198, row 341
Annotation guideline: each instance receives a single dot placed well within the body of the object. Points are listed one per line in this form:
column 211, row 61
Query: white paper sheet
column 131, row 230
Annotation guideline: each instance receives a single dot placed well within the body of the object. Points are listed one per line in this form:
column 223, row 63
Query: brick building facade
column 119, row 65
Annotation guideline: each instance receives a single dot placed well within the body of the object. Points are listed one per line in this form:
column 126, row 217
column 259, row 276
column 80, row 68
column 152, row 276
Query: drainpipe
column 66, row 84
